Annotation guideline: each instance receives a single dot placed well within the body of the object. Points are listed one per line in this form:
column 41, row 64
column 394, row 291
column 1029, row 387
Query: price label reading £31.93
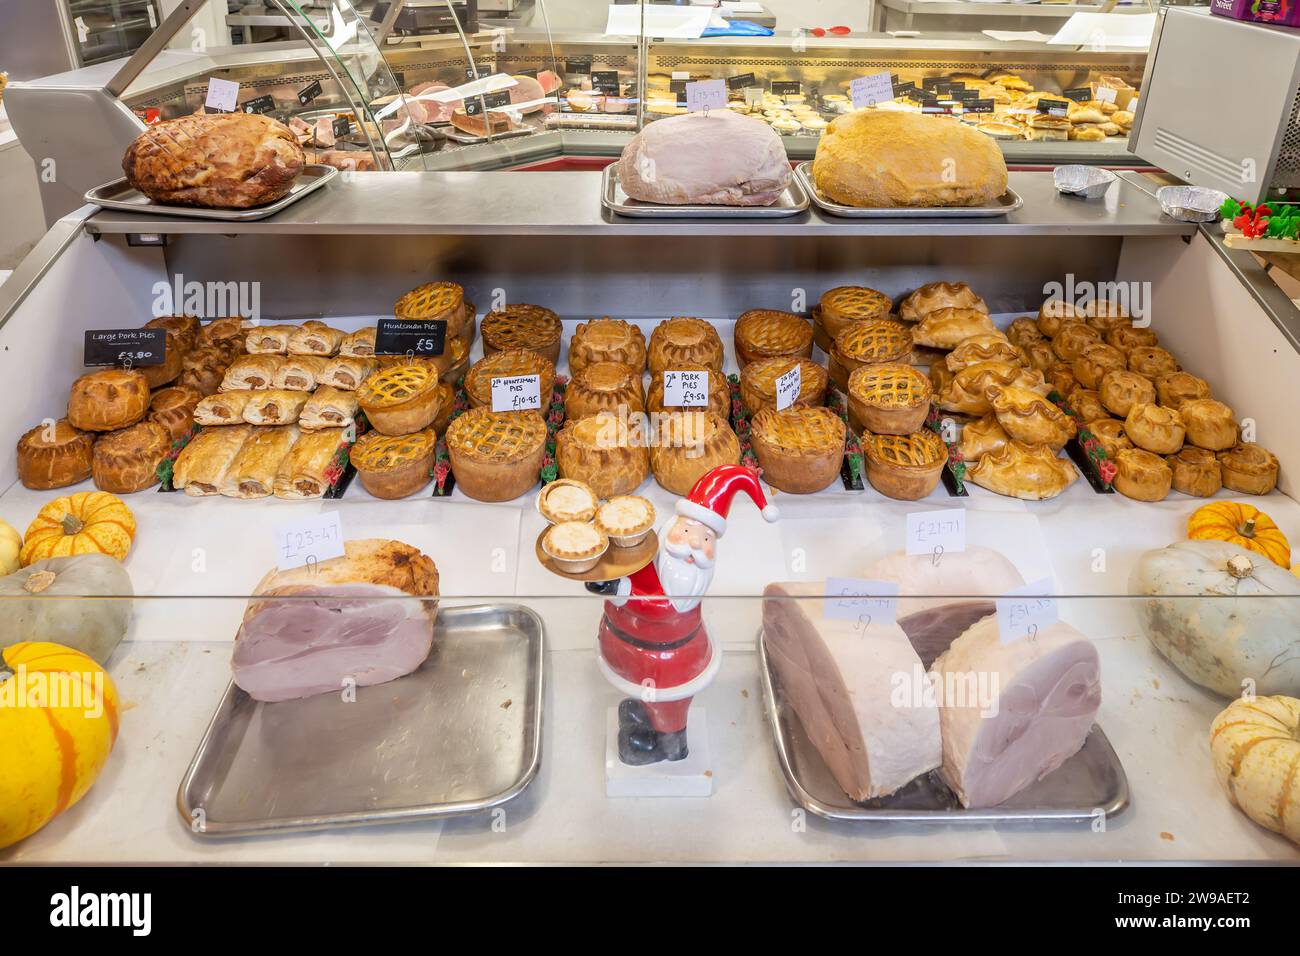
column 308, row 541
column 936, row 532
column 866, row 602
column 1026, row 610
column 686, row 389
column 515, row 393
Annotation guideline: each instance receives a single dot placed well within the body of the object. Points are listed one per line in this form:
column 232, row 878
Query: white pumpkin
column 54, row 601
column 11, row 545
column 1213, row 640
column 1255, row 745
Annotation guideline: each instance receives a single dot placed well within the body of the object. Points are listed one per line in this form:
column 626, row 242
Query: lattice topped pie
column 400, row 399
column 684, row 339
column 800, row 448
column 906, row 467
column 879, row 340
column 767, row 333
column 853, row 303
column 889, row 399
column 478, row 383
column 496, row 456
column 433, row 300
column 758, row 382
column 522, row 326
column 394, row 466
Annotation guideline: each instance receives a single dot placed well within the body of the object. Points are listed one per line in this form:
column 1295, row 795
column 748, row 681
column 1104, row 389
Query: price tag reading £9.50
column 788, row 387
column 867, row 602
column 706, row 95
column 936, row 532
column 871, row 90
column 514, row 393
column 1026, row 610
column 686, row 389
column 223, row 95
column 308, row 541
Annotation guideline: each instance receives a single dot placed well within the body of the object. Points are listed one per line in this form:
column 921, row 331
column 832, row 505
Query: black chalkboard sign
column 399, row 337
column 132, row 347
column 309, row 92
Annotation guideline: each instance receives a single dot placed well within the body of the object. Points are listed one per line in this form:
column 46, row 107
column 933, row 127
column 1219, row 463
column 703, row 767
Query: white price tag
column 223, row 95
column 788, row 387
column 706, row 95
column 308, row 541
column 153, row 17
column 686, row 389
column 681, row 74
column 753, row 95
column 871, row 90
column 514, row 393
column 936, row 532
column 1026, row 610
column 866, row 602
column 83, row 31
column 1105, row 94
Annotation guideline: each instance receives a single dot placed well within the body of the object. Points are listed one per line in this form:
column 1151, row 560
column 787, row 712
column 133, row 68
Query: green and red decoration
column 954, row 475
column 853, row 471
column 1086, row 451
column 740, row 425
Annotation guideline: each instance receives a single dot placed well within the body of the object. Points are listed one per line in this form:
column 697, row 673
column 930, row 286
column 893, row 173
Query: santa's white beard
column 683, row 582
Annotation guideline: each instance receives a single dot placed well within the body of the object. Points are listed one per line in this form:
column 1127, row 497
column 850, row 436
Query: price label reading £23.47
column 308, row 541
column 788, row 387
column 706, row 95
column 686, row 389
column 515, row 393
column 867, row 602
column 936, row 532
column 1026, row 610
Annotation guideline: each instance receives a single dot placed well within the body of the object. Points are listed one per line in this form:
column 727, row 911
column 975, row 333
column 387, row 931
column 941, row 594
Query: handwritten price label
column 788, row 387
column 706, row 95
column 223, row 95
column 1027, row 610
column 865, row 602
column 308, row 541
column 936, row 532
column 686, row 389
column 871, row 90
column 515, row 393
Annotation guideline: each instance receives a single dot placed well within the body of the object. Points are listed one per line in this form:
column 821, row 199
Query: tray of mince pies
column 587, row 539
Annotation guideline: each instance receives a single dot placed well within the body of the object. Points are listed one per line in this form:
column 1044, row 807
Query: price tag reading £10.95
column 308, row 541
column 686, row 389
column 1026, row 610
column 867, row 602
column 788, row 387
column 936, row 532
column 515, row 393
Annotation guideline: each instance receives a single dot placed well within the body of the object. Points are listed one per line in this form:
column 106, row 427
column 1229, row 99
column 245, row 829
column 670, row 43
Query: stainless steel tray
column 119, row 195
column 1091, row 781
column 460, row 735
column 790, row 203
column 469, row 139
column 1009, row 201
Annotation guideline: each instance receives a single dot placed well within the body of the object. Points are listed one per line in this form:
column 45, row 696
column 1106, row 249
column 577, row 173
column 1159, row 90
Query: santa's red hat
column 710, row 498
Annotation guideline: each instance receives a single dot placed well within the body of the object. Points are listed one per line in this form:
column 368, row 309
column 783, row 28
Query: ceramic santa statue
column 653, row 645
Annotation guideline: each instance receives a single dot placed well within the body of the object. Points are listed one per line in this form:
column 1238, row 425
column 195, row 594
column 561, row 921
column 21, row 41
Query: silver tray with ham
column 792, row 201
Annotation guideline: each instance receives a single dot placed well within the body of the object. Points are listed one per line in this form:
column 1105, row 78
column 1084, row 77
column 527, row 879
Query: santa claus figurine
column 653, row 645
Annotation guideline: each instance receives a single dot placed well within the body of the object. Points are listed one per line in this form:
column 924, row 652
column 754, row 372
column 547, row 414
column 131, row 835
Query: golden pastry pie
column 980, row 437
column 1196, row 472
column 202, row 369
column 200, row 468
column 1039, row 355
column 1031, row 472
column 1142, row 476
column 1086, row 404
column 719, row 389
column 173, row 359
column 394, row 466
column 1070, row 340
column 434, row 300
column 173, row 409
column 1109, row 433
column 1248, row 469
column 889, row 399
column 347, row 371
column 401, row 399
column 300, row 373
column 946, row 328
column 315, row 338
column 185, row 328
column 1155, row 428
column 329, row 407
column 626, row 519
column 767, row 333
column 846, row 304
column 1210, row 424
column 313, row 464
column 54, row 456
column 687, row 445
column 1120, row 390
column 684, row 339
column 127, row 460
column 574, row 546
column 359, row 344
column 941, row 378
column 1126, row 338
column 1174, row 389
column 496, row 456
column 511, row 364
column 528, row 327
column 252, row 371
column 758, row 382
column 275, row 406
column 906, row 467
column 868, row 343
column 108, row 400
column 567, row 500
column 986, row 347
column 1053, row 312
column 225, row 333
column 1061, row 378
column 602, row 387
column 939, row 295
column 607, row 340
column 1024, row 330
column 1104, row 315
column 252, row 473
column 604, row 452
column 1152, row 361
column 1093, row 361
column 268, row 339
column 971, row 390
column 1030, row 418
column 800, row 449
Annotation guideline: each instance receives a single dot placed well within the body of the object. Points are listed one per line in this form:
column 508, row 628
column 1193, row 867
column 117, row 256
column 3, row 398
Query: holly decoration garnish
column 1105, row 468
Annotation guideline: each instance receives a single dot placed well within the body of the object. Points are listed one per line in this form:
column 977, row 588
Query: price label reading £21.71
column 867, row 602
column 788, row 387
column 686, row 389
column 936, row 532
column 515, row 393
column 308, row 541
column 1026, row 610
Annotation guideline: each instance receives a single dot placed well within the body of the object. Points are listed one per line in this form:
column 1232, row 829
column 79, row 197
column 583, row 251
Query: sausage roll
column 223, row 408
column 268, row 339
column 359, row 344
column 299, row 373
column 252, row 473
column 275, row 406
column 347, row 372
column 314, row 338
column 304, row 473
column 329, row 407
column 201, row 466
column 251, row 371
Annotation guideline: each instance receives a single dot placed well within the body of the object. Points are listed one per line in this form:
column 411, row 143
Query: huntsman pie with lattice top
column 511, row 364
column 868, row 343
column 684, row 339
column 603, row 451
column 434, row 300
column 800, row 449
column 986, row 347
column 906, row 467
column 767, row 333
column 496, row 456
column 758, row 382
column 607, row 340
column 1029, row 417
column 448, row 366
column 847, row 304
column 394, row 466
column 719, row 390
column 603, row 387
column 400, row 399
column 889, row 399
column 528, row 327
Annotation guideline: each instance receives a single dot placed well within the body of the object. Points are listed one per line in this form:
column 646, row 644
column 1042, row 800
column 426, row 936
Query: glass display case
column 107, row 29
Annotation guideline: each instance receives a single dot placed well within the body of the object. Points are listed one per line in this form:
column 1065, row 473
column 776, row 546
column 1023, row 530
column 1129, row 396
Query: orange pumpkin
column 58, row 722
column 87, row 522
column 1242, row 525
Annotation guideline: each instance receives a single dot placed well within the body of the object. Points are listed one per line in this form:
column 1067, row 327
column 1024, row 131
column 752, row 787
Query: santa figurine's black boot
column 632, row 714
column 638, row 747
column 673, row 745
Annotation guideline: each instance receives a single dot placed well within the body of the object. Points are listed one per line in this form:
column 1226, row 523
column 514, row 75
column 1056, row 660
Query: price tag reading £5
column 871, row 90
column 866, row 602
column 514, row 393
column 788, row 387
column 936, row 532
column 1026, row 610
column 308, row 541
column 686, row 389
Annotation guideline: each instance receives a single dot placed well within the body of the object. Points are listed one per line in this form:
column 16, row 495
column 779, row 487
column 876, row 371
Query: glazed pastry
column 252, row 473
column 528, row 327
column 1061, row 378
column 574, row 546
column 496, row 456
column 939, row 295
column 941, row 378
column 868, row 343
column 1174, row 389
column 800, row 449
column 1040, row 355
column 1030, row 418
column 1155, row 428
column 347, row 372
column 173, row 409
column 359, row 344
column 567, row 500
column 329, row 407
column 1104, row 315
column 1248, row 469
column 1094, row 361
column 604, row 386
column 719, row 390
column 1070, row 340
column 108, row 400
column 443, row 301
column 1126, row 338
column 846, row 304
column 1024, row 330
column 987, row 347
column 517, row 362
column 313, row 464
column 401, row 399
column 394, row 466
column 202, row 369
column 1196, row 472
column 126, row 461
column 1142, row 476
column 449, row 366
column 173, row 354
column 766, row 333
column 182, row 330
column 906, row 467
column 1086, row 404
column 1210, row 424
column 888, row 399
column 1031, row 472
column 1120, row 390
column 626, row 519
column 981, row 437
column 972, row 390
column 682, row 339
column 946, row 328
column 1152, row 361
column 315, row 338
column 758, row 382
column 1109, row 433
column 275, row 406
column 299, row 373
column 200, row 468
column 1053, row 312
column 252, row 371
column 226, row 334
column 688, row 445
column 224, row 408
column 268, row 339
column 606, row 340
column 54, row 456
column 604, row 454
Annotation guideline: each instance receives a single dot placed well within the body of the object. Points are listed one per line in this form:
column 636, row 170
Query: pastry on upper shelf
column 1094, row 361
column 182, row 330
column 574, row 546
column 299, row 373
column 347, row 372
column 1248, row 469
column 972, row 390
column 687, row 445
column 252, row 473
column 869, row 342
column 601, row 387
column 884, row 159
column 1024, row 330
column 1030, row 418
column 521, row 326
column 275, row 406
column 888, row 399
column 1126, row 338
column 758, row 382
column 767, row 333
column 1152, row 361
column 401, row 399
column 684, row 339
column 1040, row 354
column 511, row 364
column 108, row 400
column 985, row 347
column 606, row 340
column 1031, row 472
column 329, row 407
column 1086, row 404
column 906, row 467
column 719, row 390
column 268, row 339
column 1120, row 390
column 1109, row 433
column 315, row 338
column 1155, row 428
column 203, row 369
column 201, row 467
column 939, row 295
column 394, row 466
column 1141, row 475
column 844, row 305
column 1196, row 472
column 311, row 466
column 54, row 455
column 948, row 327
column 252, row 371
column 178, row 335
column 800, row 449
column 496, row 456
column 173, row 409
column 359, row 344
column 1104, row 315
column 941, row 378
column 441, row 301
column 1071, row 339
column 626, row 519
column 1061, row 378
column 227, row 334
column 1210, row 424
column 126, row 461
column 1053, row 312
column 980, row 437
column 567, row 499
column 1178, row 387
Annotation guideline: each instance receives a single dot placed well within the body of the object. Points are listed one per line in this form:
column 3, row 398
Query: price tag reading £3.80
column 788, row 387
column 308, row 541
column 867, row 602
column 514, row 393
column 936, row 532
column 686, row 389
column 1026, row 610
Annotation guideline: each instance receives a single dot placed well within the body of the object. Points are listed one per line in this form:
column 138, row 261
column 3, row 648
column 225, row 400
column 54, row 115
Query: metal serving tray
column 790, row 203
column 1009, row 201
column 1090, row 782
column 460, row 735
column 119, row 195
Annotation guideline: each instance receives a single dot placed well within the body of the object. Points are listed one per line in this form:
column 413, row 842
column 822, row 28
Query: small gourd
column 83, row 602
column 11, row 545
column 1255, row 747
column 84, row 523
column 1242, row 525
